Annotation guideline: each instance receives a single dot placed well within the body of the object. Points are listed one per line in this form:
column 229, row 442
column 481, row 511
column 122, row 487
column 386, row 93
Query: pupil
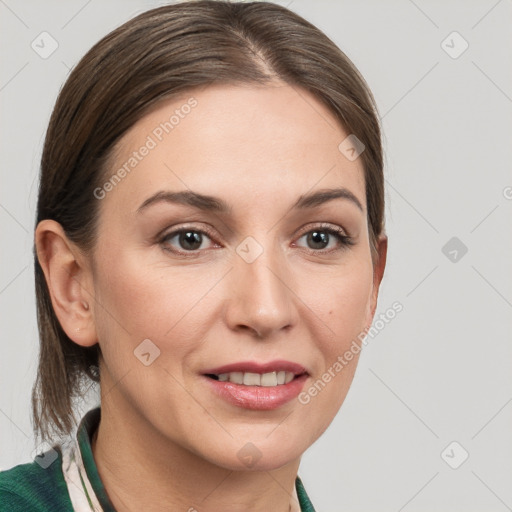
column 319, row 237
column 192, row 238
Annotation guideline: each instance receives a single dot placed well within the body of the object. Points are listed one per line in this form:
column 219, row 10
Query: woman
column 209, row 247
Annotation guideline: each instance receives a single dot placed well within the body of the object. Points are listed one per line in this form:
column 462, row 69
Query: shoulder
column 35, row 486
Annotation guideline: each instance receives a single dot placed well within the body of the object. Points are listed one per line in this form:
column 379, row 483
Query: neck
column 141, row 470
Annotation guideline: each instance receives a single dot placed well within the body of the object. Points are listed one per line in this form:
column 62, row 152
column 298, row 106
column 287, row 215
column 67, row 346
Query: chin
column 256, row 453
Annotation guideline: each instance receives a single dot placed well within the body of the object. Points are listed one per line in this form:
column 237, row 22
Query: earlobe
column 68, row 280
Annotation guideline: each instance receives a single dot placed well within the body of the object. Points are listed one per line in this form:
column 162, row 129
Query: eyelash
column 344, row 240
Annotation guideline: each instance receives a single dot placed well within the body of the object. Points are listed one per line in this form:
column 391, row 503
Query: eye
column 190, row 242
column 187, row 239
column 327, row 239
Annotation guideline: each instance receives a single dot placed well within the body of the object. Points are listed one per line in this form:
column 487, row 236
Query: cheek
column 131, row 304
column 144, row 299
column 140, row 302
column 351, row 301
column 340, row 301
column 131, row 300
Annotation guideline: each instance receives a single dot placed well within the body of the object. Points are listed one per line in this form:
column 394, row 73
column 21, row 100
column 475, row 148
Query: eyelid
column 208, row 231
column 169, row 233
column 173, row 230
column 323, row 225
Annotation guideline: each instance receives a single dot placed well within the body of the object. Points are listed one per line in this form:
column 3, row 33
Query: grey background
column 441, row 370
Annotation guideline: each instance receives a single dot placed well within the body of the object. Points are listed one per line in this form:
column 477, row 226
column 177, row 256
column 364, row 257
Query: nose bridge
column 262, row 298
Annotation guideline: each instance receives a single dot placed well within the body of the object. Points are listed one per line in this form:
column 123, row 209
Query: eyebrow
column 215, row 204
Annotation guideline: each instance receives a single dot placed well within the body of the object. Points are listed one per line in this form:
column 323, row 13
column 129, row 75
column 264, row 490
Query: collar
column 86, row 490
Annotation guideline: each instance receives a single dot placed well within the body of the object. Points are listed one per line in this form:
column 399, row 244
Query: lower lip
column 259, row 398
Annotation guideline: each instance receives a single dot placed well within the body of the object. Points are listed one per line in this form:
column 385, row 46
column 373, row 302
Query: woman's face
column 244, row 268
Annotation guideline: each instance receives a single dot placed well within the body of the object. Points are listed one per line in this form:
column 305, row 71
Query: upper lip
column 253, row 367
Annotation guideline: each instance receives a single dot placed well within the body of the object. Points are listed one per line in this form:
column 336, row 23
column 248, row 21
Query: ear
column 378, row 273
column 69, row 282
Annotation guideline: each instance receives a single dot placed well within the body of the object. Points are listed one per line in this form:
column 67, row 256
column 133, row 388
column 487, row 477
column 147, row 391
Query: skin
column 165, row 441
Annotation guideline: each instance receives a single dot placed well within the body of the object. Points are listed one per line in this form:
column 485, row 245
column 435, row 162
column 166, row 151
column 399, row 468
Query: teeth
column 257, row 379
column 236, row 377
column 269, row 379
column 288, row 377
column 252, row 379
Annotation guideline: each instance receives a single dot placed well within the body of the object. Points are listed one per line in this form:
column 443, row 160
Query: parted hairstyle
column 153, row 57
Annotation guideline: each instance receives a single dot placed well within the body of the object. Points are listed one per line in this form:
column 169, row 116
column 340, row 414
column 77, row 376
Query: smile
column 255, row 379
column 257, row 386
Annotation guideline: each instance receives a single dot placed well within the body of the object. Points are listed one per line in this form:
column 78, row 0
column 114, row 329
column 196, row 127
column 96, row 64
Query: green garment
column 65, row 478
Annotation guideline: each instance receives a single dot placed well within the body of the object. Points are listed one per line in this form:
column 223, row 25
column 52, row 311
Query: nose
column 261, row 298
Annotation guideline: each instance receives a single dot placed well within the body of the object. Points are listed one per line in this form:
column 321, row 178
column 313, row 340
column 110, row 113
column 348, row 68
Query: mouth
column 271, row 379
column 250, row 373
column 257, row 386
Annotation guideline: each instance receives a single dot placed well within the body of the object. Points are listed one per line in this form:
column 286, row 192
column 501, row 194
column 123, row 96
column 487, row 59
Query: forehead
column 239, row 142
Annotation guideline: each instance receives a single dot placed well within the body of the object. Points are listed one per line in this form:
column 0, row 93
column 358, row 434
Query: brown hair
column 160, row 53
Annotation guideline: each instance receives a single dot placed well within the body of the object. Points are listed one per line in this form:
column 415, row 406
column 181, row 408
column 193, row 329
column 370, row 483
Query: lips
column 257, row 386
column 261, row 368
